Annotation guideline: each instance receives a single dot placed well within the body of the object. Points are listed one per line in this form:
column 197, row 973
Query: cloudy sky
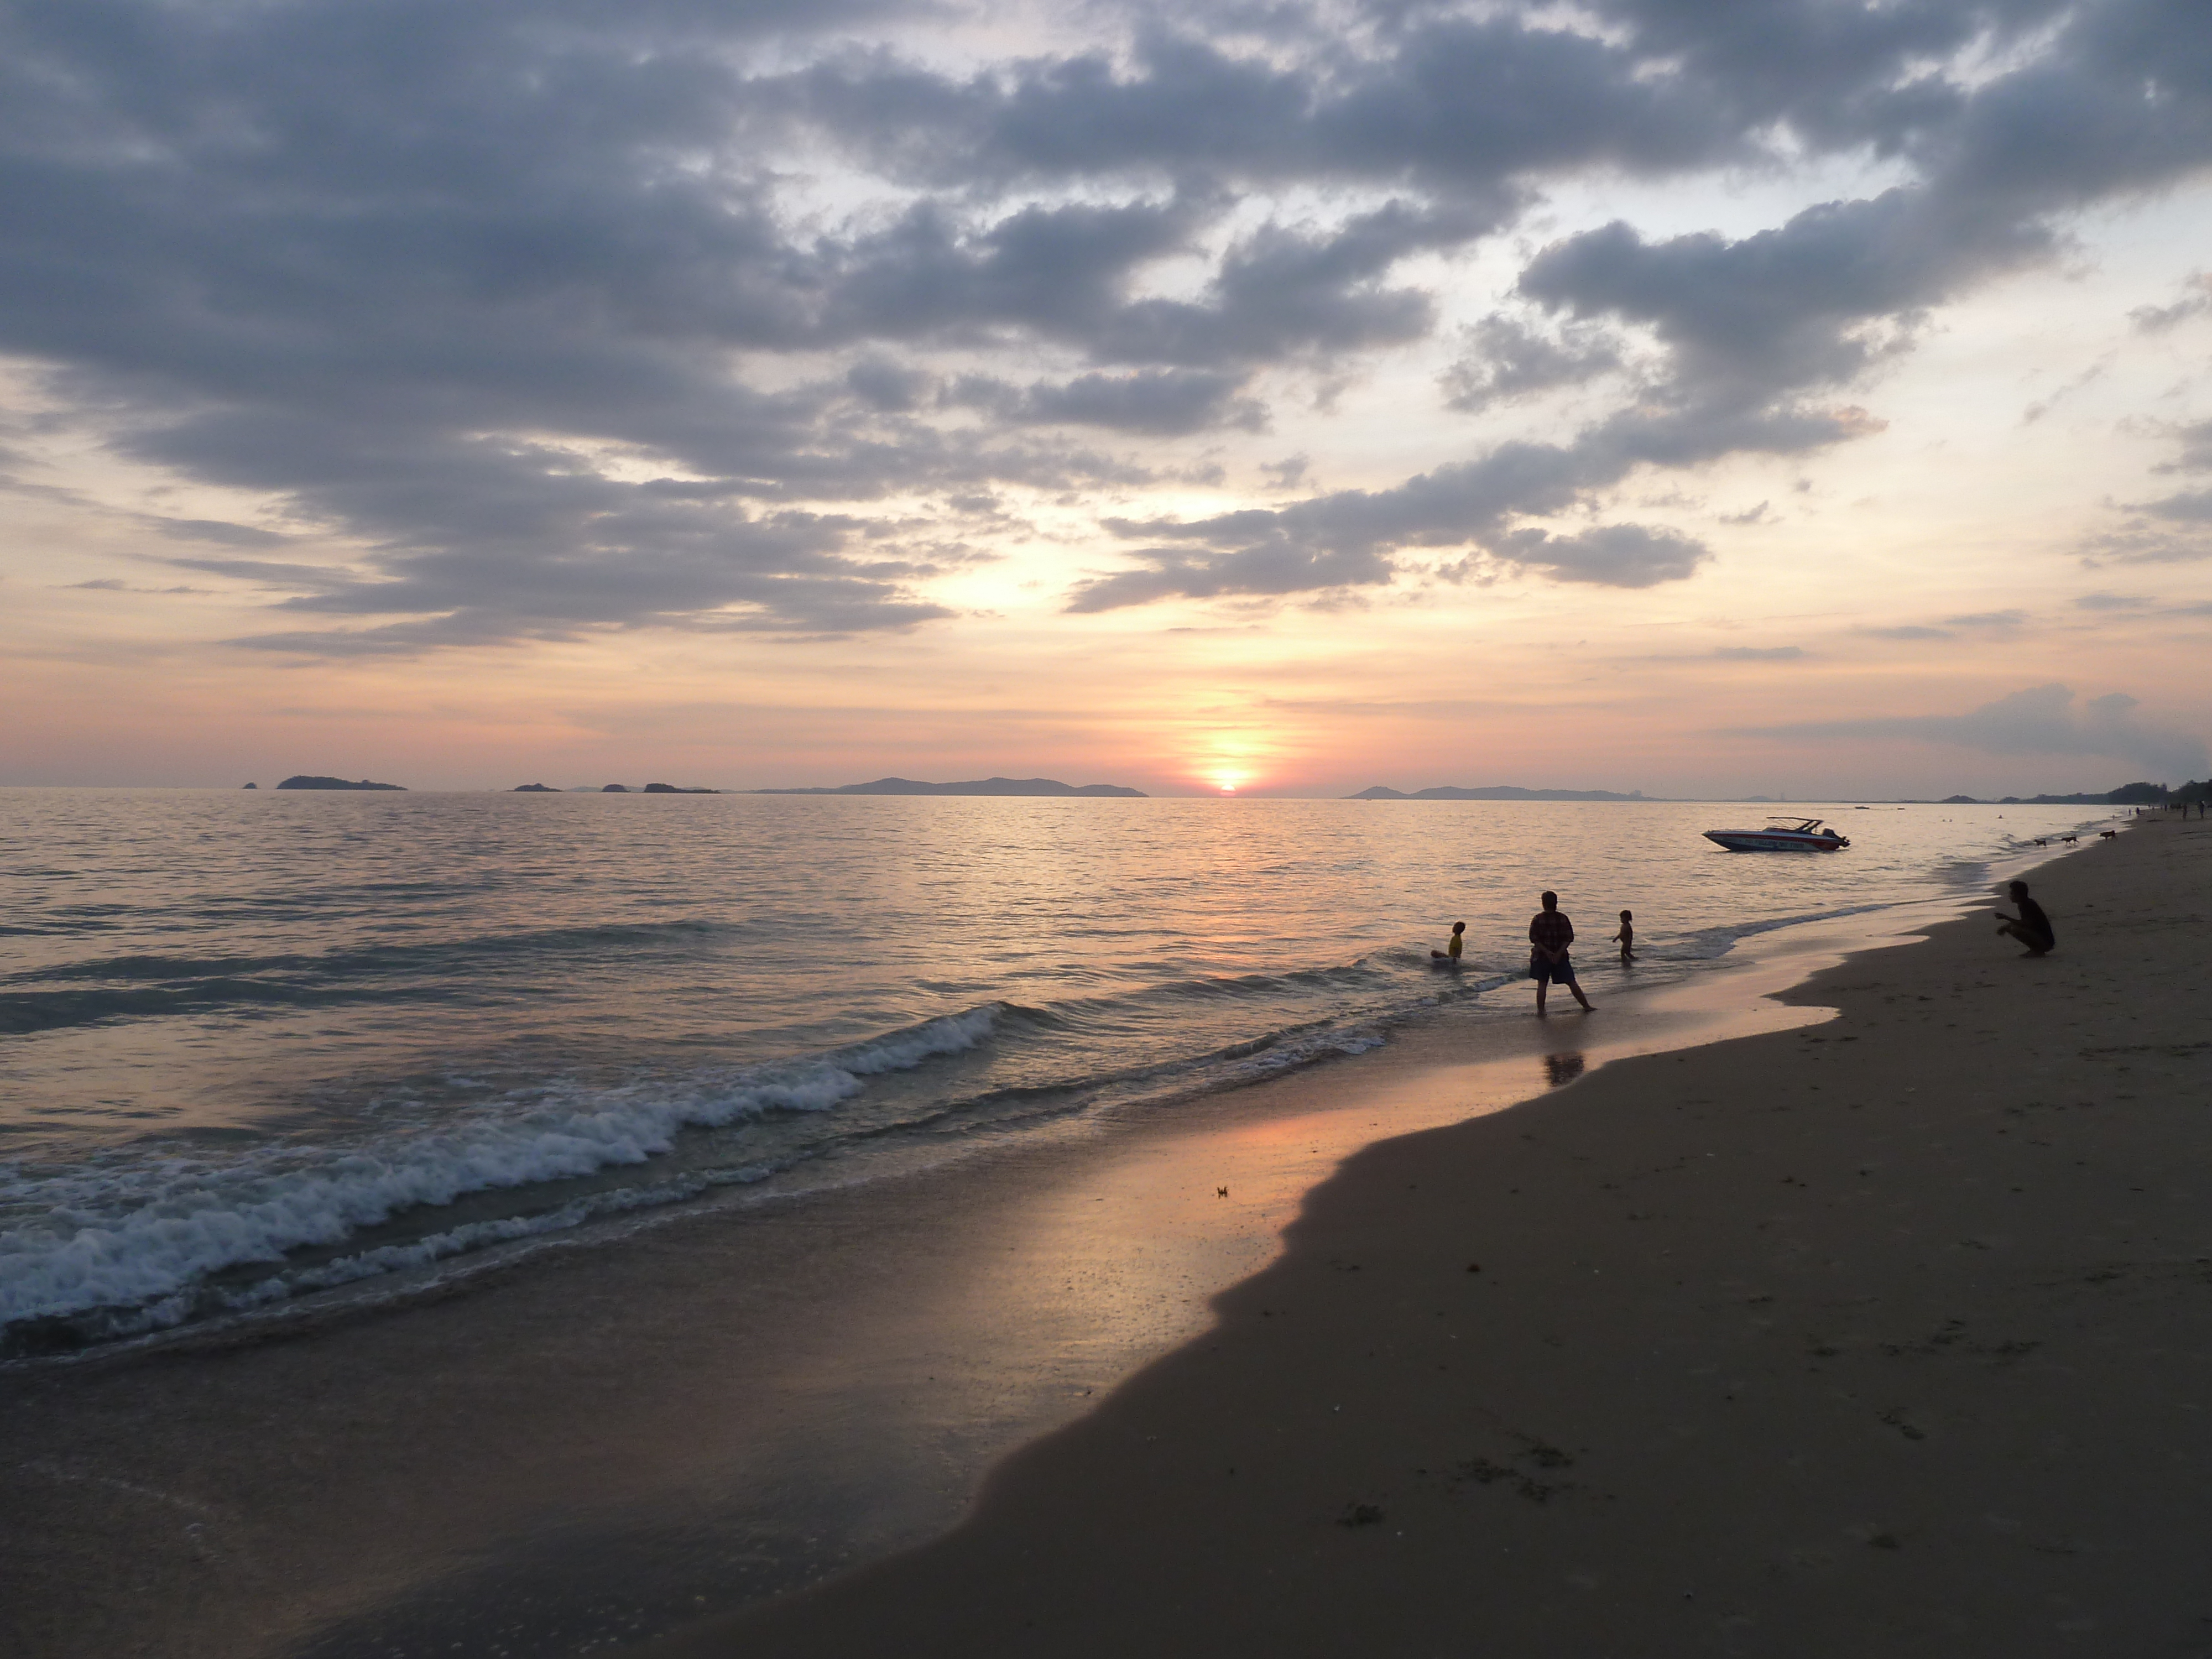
column 1696, row 396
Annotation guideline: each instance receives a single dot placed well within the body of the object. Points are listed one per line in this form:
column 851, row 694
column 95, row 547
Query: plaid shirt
column 1550, row 930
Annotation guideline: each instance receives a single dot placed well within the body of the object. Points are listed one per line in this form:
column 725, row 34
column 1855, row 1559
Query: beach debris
column 1221, row 1192
column 1360, row 1514
column 1484, row 1473
column 1474, row 1267
column 1544, row 1456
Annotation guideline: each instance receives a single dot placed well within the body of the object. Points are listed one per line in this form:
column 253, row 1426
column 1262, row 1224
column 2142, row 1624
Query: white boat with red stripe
column 1780, row 835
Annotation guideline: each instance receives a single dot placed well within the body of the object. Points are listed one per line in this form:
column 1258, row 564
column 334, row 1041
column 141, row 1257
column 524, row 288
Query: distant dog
column 2070, row 840
column 2108, row 835
column 1221, row 1192
column 2043, row 841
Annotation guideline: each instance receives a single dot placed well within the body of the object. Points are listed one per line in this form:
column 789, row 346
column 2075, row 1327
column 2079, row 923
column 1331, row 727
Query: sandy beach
column 1888, row 1335
column 1885, row 1332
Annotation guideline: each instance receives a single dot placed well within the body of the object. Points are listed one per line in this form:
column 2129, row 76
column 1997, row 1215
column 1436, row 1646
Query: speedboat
column 1780, row 835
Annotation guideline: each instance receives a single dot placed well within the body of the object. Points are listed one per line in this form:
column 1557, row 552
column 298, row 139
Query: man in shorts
column 1550, row 934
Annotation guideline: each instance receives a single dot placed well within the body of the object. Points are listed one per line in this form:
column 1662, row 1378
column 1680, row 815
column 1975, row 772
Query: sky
column 1704, row 397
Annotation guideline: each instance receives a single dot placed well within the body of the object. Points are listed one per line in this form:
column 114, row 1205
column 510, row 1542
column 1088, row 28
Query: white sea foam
column 135, row 1236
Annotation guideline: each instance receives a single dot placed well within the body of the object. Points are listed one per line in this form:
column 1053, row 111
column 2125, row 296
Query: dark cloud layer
column 521, row 301
column 2043, row 719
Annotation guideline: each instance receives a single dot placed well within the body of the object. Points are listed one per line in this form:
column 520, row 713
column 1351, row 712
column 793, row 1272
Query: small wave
column 1172, row 996
column 153, row 987
column 126, row 1245
column 1705, row 943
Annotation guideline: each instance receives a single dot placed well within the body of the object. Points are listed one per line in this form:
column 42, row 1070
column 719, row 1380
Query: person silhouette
column 1451, row 952
column 2031, row 927
column 1550, row 934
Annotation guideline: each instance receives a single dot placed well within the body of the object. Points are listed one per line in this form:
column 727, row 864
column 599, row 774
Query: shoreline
column 1889, row 1336
column 534, row 1434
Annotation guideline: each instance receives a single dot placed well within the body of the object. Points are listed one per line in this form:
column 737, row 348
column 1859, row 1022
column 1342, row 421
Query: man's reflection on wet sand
column 1562, row 1068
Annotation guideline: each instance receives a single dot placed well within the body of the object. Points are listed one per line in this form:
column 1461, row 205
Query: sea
column 262, row 1050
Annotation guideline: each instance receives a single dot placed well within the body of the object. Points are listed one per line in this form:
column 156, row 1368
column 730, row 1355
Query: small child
column 1450, row 953
column 1626, row 935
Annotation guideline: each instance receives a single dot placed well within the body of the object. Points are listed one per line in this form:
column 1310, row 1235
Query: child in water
column 1626, row 935
column 1451, row 952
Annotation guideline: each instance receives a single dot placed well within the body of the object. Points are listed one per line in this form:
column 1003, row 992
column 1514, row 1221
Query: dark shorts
column 1561, row 972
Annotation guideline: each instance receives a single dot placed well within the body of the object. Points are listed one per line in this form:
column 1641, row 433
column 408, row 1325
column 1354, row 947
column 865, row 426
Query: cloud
column 218, row 531
column 2113, row 602
column 1505, row 361
column 542, row 317
column 1756, row 335
column 2161, row 319
column 1759, row 653
column 2196, row 449
column 2035, row 411
column 1160, row 402
column 116, row 585
column 1987, row 619
column 1910, row 631
column 1346, row 539
column 2173, row 529
column 1610, row 556
column 2043, row 719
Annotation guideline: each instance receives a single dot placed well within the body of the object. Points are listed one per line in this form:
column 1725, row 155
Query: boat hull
column 1774, row 841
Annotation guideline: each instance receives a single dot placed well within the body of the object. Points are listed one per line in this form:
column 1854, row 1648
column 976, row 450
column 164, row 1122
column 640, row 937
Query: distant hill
column 619, row 789
column 303, row 782
column 2127, row 794
column 973, row 786
column 1497, row 792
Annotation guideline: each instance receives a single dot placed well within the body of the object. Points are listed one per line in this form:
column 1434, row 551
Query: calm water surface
column 253, row 1046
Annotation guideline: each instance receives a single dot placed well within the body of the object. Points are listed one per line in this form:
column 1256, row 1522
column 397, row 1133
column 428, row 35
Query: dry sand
column 1887, row 1336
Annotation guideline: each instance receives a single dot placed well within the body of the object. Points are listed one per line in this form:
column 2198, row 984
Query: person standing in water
column 1550, row 934
column 1626, row 937
column 2031, row 927
column 1451, row 952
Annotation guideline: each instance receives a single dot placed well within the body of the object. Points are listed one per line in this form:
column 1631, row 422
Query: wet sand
column 1889, row 1334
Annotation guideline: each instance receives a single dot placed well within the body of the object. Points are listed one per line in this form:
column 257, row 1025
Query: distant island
column 304, row 781
column 973, row 786
column 1497, row 792
column 534, row 789
column 2127, row 794
column 616, row 789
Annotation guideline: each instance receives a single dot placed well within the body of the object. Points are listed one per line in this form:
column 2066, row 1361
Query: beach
column 1877, row 1333
column 1891, row 1335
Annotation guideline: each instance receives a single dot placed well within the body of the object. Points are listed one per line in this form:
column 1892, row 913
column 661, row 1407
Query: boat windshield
column 1803, row 826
